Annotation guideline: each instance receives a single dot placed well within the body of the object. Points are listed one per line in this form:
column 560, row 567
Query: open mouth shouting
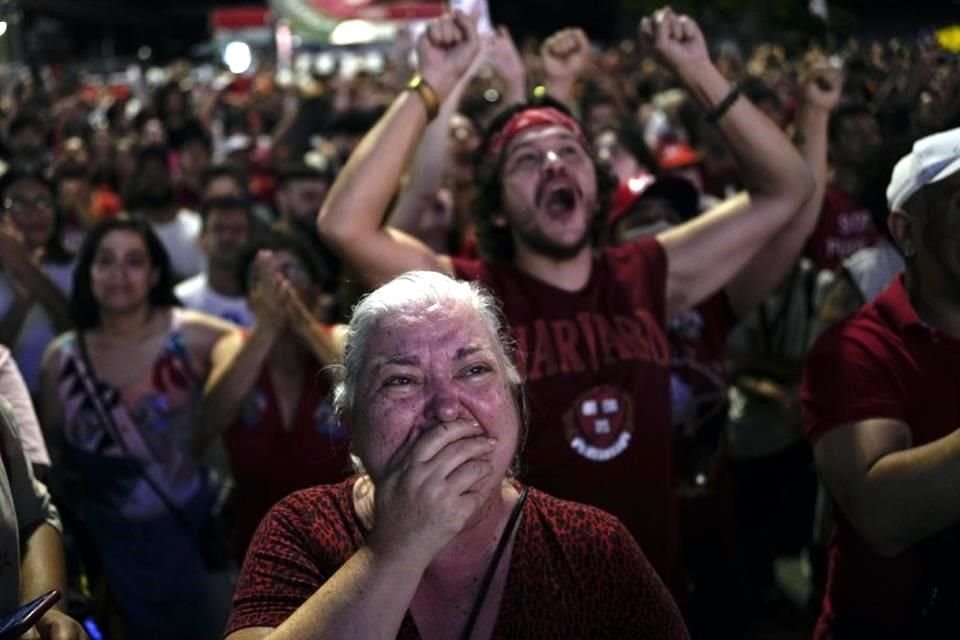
column 558, row 198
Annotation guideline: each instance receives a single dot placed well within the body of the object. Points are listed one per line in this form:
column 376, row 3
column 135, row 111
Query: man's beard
column 540, row 243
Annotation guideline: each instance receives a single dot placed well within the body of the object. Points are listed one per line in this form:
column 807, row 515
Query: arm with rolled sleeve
column 893, row 492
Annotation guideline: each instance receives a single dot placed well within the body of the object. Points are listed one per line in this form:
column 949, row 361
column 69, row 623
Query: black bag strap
column 89, row 377
column 494, row 563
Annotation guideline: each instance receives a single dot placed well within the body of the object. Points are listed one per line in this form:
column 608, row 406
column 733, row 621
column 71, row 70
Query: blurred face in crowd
column 122, row 274
column 153, row 133
column 464, row 142
column 153, row 186
column 609, row 149
column 300, row 200
column 225, row 233
column 194, row 158
column 426, row 368
column 600, row 116
column 73, row 197
column 549, row 191
column 858, row 138
column 27, row 142
column 30, row 206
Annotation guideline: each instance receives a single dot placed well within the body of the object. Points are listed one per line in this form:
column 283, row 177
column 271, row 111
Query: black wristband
column 717, row 112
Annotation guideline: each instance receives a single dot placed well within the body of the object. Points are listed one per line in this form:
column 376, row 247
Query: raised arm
column 705, row 254
column 351, row 217
column 30, row 285
column 236, row 360
column 565, row 55
column 821, row 93
column 432, row 156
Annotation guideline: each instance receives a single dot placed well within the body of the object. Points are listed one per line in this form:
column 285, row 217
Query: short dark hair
column 277, row 240
column 222, row 171
column 84, row 309
column 192, row 131
column 226, row 203
column 495, row 242
column 294, row 171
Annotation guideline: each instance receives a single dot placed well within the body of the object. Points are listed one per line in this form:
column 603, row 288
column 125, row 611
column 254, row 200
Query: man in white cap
column 881, row 403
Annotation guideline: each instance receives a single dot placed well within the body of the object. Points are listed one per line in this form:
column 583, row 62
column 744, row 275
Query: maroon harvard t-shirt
column 883, row 362
column 596, row 365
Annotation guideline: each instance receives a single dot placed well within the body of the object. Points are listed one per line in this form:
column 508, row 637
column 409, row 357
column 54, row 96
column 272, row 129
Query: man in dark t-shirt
column 590, row 323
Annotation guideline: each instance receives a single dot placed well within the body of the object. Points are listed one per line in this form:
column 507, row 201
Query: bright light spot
column 353, row 32
column 3, row 27
column 237, row 57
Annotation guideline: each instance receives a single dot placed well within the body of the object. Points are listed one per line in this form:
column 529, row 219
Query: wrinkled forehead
column 429, row 328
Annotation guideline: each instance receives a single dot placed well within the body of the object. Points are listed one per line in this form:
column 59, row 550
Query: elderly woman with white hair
column 432, row 538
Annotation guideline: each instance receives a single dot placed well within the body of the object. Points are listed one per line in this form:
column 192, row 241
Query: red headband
column 528, row 118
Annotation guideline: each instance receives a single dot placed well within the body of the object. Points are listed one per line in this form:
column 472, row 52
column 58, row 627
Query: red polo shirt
column 883, row 362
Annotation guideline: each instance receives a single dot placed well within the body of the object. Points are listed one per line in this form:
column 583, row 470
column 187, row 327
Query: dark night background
column 61, row 30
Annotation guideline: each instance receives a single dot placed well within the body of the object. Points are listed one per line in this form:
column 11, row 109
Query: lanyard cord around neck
column 492, row 567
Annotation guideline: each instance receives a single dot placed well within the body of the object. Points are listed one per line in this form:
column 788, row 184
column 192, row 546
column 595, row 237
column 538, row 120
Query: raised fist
column 823, row 86
column 565, row 54
column 446, row 50
column 676, row 39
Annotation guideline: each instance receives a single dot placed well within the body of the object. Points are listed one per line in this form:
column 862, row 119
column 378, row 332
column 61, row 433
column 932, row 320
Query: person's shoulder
column 190, row 218
column 203, row 323
column 313, row 509
column 575, row 523
column 58, row 347
column 190, row 290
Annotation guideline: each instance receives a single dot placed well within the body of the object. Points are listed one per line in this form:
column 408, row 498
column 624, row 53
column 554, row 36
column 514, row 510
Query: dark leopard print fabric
column 575, row 571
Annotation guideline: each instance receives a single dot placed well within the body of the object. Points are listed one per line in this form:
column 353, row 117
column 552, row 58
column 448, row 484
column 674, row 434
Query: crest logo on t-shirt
column 599, row 424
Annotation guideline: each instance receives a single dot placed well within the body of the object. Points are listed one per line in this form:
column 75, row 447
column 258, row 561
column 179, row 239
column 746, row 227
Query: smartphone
column 19, row 622
column 480, row 9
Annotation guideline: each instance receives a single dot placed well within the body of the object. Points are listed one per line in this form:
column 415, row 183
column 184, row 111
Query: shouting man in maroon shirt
column 589, row 322
column 881, row 407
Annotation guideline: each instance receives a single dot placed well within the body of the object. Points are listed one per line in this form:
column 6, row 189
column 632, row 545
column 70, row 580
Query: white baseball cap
column 933, row 158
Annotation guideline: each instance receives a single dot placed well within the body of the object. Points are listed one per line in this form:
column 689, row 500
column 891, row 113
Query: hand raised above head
column 823, row 86
column 446, row 50
column 565, row 54
column 676, row 39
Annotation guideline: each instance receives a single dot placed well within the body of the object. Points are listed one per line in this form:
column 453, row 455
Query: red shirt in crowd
column 843, row 228
column 270, row 460
column 574, row 572
column 596, row 366
column 883, row 362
